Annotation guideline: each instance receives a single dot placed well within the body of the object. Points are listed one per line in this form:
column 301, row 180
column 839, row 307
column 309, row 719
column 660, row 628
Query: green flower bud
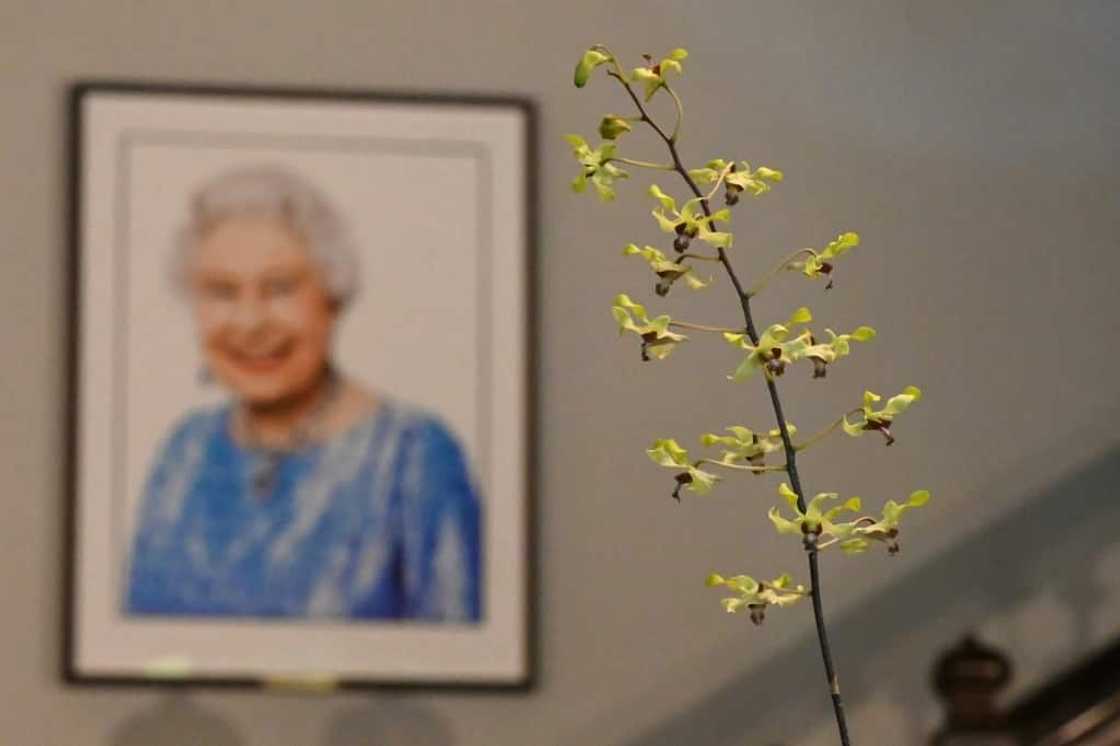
column 613, row 126
column 591, row 59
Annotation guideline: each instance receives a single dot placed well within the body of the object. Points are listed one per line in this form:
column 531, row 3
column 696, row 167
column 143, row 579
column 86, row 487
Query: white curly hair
column 274, row 191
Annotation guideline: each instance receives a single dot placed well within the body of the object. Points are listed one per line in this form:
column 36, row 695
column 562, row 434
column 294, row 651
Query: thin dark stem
column 826, row 650
column 783, row 427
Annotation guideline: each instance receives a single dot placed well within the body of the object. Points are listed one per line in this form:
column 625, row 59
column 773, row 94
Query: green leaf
column 678, row 54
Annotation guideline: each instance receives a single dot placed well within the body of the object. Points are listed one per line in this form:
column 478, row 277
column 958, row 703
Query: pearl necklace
column 268, row 459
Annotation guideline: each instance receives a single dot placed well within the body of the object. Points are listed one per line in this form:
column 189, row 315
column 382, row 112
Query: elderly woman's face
column 264, row 316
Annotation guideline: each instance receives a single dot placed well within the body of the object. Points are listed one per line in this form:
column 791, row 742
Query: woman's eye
column 216, row 290
column 280, row 286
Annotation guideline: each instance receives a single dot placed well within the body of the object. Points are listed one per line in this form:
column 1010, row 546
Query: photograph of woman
column 306, row 493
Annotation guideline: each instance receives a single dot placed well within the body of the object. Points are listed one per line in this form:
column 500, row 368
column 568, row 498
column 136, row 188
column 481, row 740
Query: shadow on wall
column 1050, row 545
column 388, row 722
column 175, row 721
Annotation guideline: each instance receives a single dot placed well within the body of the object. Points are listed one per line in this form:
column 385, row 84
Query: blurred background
column 974, row 148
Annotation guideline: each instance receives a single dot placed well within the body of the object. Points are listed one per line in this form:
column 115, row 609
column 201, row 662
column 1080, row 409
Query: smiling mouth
column 259, row 361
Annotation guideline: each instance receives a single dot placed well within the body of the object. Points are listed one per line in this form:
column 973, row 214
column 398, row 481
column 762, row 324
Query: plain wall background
column 973, row 145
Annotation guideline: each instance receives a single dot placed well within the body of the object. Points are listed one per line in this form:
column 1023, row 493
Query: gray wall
column 974, row 147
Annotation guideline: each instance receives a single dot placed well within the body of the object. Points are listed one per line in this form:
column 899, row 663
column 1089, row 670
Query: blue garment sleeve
column 154, row 553
column 440, row 513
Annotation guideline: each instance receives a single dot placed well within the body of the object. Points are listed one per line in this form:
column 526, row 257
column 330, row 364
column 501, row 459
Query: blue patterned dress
column 379, row 522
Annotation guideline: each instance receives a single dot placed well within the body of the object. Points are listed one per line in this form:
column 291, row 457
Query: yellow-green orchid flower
column 690, row 221
column 820, row 264
column 656, row 338
column 860, row 533
column 596, row 167
column 779, row 346
column 667, row 271
column 837, row 347
column 756, row 596
column 667, row 452
column 880, row 420
column 652, row 76
column 746, row 445
column 815, row 522
column 775, row 348
column 737, row 178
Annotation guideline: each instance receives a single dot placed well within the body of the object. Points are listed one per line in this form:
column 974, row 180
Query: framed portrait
column 301, row 429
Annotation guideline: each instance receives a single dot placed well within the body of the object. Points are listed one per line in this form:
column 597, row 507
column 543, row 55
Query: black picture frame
column 96, row 654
